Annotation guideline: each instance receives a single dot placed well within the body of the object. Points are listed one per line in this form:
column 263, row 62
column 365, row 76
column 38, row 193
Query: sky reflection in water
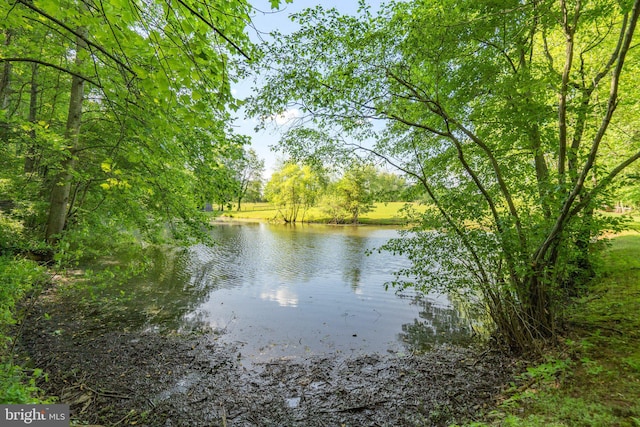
column 287, row 291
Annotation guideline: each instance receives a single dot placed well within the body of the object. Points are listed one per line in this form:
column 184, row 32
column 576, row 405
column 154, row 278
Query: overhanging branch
column 220, row 33
column 57, row 67
column 41, row 12
column 445, row 214
column 437, row 109
column 604, row 182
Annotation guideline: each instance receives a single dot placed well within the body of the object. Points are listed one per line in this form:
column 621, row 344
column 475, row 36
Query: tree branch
column 614, row 55
column 513, row 66
column 448, row 218
column 57, row 67
column 587, row 91
column 569, row 32
column 437, row 109
column 605, row 181
column 566, row 210
column 39, row 11
column 220, row 33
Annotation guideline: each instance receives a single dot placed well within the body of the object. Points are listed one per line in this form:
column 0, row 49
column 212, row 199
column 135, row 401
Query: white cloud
column 286, row 117
column 284, row 296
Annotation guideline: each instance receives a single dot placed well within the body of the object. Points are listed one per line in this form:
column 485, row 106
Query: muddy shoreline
column 115, row 376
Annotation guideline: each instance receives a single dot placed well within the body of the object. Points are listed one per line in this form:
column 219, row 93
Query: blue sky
column 266, row 21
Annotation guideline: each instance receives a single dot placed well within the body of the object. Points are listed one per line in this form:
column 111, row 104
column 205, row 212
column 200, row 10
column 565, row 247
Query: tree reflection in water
column 291, row 289
column 437, row 324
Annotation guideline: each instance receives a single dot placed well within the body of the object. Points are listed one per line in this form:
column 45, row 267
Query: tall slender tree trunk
column 30, row 158
column 5, row 82
column 5, row 77
column 62, row 183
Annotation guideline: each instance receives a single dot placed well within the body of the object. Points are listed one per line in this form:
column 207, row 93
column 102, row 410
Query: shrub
column 17, row 278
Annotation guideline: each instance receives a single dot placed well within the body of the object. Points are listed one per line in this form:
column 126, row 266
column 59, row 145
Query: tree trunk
column 62, row 183
column 5, row 78
column 5, row 90
column 30, row 158
column 537, row 307
column 584, row 270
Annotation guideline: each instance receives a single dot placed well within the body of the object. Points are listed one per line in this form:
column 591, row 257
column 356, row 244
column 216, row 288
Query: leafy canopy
column 146, row 139
column 514, row 116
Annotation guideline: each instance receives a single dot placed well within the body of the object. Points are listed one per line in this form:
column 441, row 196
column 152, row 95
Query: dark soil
column 119, row 377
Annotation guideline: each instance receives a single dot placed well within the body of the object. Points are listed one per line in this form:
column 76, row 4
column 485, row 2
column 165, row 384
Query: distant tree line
column 343, row 196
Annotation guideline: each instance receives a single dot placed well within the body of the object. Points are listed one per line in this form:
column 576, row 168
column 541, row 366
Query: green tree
column 255, row 192
column 109, row 110
column 249, row 174
column 293, row 189
column 214, row 167
column 332, row 206
column 112, row 115
column 509, row 115
column 353, row 191
column 389, row 187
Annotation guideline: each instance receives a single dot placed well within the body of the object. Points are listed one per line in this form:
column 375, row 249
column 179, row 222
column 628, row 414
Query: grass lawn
column 382, row 213
column 594, row 378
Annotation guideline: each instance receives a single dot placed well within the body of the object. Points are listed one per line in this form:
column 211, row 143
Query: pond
column 287, row 291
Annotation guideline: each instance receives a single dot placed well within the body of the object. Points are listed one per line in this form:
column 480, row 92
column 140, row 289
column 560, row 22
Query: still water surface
column 289, row 291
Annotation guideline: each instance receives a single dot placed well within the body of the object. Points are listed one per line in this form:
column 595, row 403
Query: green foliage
column 85, row 243
column 293, row 189
column 248, row 174
column 537, row 377
column 10, row 233
column 147, row 140
column 354, row 191
column 276, row 3
column 514, row 126
column 19, row 387
column 332, row 206
column 17, row 278
column 344, row 197
column 594, row 379
column 390, row 187
column 350, row 196
column 633, row 363
column 570, row 412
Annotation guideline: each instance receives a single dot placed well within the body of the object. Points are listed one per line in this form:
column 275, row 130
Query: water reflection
column 287, row 290
column 437, row 324
column 284, row 296
column 173, row 288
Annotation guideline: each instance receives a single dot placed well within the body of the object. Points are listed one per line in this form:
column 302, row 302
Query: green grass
column 594, row 378
column 382, row 214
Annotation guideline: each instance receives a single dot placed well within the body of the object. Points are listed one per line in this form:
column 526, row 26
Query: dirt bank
column 124, row 377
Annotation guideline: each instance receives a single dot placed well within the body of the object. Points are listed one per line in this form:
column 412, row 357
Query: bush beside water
column 18, row 277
